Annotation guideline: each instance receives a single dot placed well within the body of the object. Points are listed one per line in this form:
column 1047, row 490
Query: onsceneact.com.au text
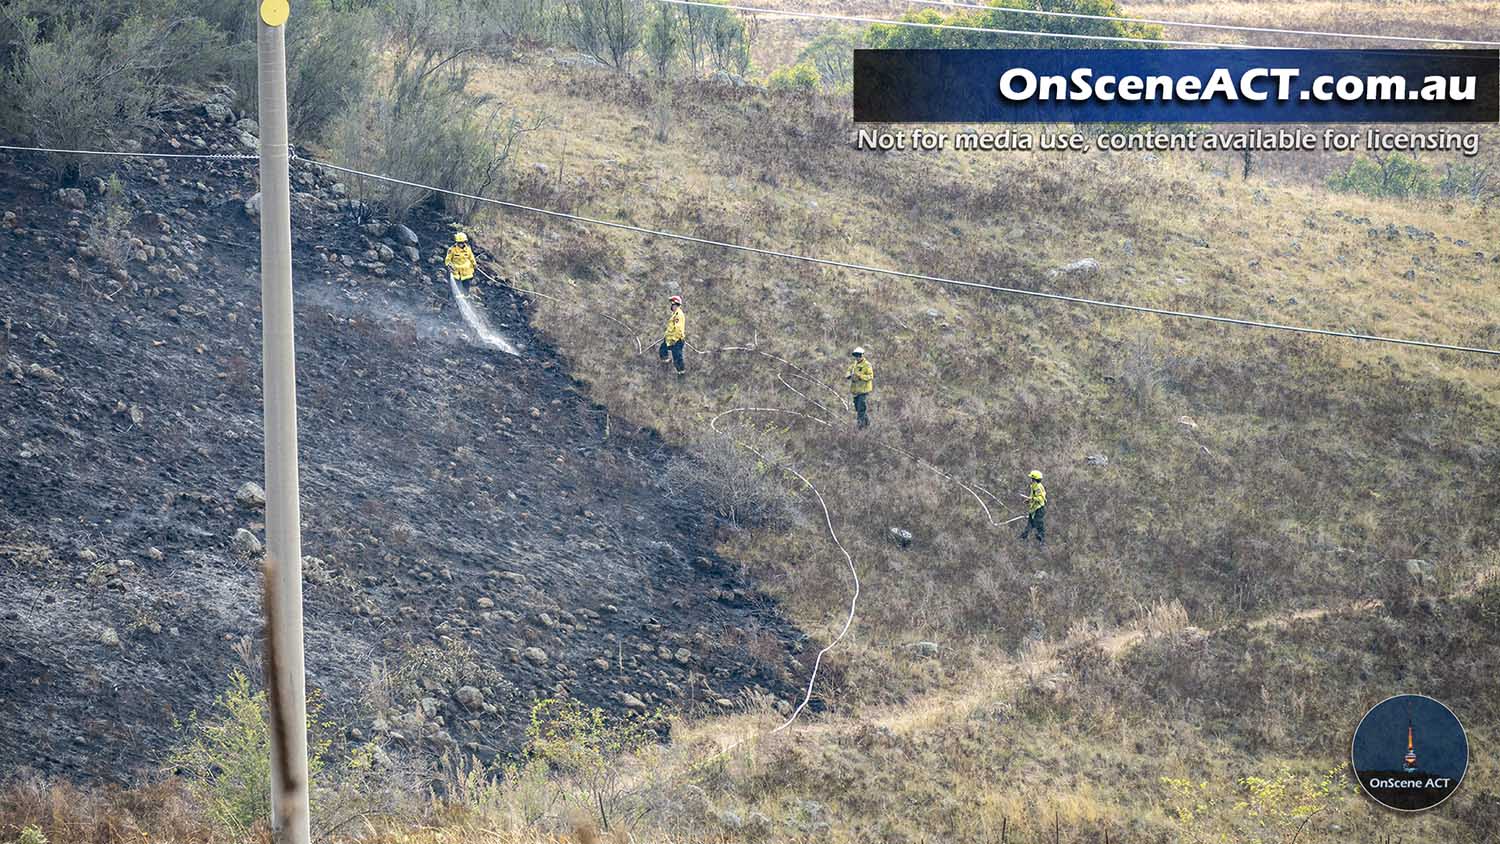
column 1257, row 84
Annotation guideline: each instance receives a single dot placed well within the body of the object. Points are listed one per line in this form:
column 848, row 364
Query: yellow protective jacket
column 1038, row 498
column 461, row 261
column 676, row 327
column 861, row 377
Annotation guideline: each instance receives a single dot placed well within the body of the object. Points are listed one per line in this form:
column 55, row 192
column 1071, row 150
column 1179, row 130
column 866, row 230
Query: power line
column 828, row 262
column 131, row 154
column 920, row 25
column 1270, row 30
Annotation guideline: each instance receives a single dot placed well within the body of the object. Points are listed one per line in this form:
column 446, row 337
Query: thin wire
column 828, row 519
column 1223, row 26
column 827, row 262
column 125, row 154
column 920, row 25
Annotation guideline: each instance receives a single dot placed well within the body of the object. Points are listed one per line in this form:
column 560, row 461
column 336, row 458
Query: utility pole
column 285, row 678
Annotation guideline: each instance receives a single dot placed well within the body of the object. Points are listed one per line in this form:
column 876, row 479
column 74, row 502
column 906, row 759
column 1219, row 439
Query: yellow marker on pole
column 274, row 12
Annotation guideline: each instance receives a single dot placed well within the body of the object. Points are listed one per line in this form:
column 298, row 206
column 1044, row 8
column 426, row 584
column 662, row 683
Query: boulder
column 405, row 236
column 901, row 537
column 1083, row 267
column 245, row 543
column 470, row 698
column 72, row 198
column 248, row 126
column 631, row 702
column 218, row 112
column 535, row 655
column 250, row 494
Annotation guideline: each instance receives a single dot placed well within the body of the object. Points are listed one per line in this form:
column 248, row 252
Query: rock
column 248, row 126
column 73, row 198
column 430, row 706
column 155, row 553
column 484, row 603
column 252, row 207
column 470, row 698
column 87, row 555
column 1187, row 422
column 1083, row 267
column 250, row 494
column 535, row 655
column 315, row 571
column 412, row 254
column 758, row 826
column 245, row 543
column 631, row 702
column 218, row 112
column 901, row 537
column 385, row 253
column 1096, row 460
column 724, row 703
column 405, row 236
column 728, row 819
column 682, row 656
column 601, row 663
column 109, row 638
column 927, row 650
column 1421, row 572
column 249, row 141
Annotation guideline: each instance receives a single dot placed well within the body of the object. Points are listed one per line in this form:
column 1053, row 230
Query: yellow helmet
column 1035, row 475
column 460, row 237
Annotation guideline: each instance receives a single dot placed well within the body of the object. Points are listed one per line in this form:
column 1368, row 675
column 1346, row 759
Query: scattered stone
column 109, row 638
column 250, row 494
column 924, row 649
column 631, row 702
column 218, row 112
column 901, row 537
column 245, row 543
column 1083, row 267
column 470, row 698
column 252, row 207
column 1421, row 572
column 1097, row 460
column 1187, row 422
column 484, row 602
column 72, row 198
column 535, row 655
column 405, row 235
column 87, row 555
column 682, row 656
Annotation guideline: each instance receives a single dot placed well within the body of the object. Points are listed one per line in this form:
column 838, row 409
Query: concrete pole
column 285, row 677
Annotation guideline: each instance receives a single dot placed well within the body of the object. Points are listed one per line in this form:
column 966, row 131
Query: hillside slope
column 476, row 519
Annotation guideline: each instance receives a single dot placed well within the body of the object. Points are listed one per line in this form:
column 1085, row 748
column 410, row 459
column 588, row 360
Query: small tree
column 801, row 77
column 608, row 30
column 663, row 39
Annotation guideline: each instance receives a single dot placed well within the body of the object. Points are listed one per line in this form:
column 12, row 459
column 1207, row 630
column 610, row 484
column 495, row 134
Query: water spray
column 478, row 324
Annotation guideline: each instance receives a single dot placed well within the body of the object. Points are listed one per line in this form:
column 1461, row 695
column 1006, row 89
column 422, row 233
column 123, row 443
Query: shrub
column 1399, row 176
column 608, row 30
column 801, row 77
column 108, row 231
column 73, row 80
column 736, row 483
column 582, row 747
column 891, row 36
column 832, row 56
column 227, row 758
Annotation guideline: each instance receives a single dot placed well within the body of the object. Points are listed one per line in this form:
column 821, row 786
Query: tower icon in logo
column 1409, row 762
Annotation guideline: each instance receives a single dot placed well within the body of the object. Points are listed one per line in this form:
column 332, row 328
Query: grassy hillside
column 1249, row 473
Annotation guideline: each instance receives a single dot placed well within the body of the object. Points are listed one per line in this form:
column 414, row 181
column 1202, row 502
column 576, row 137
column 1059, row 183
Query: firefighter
column 861, row 378
column 461, row 265
column 1036, row 509
column 675, row 337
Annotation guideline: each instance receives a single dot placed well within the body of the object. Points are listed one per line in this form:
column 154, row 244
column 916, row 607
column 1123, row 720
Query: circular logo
column 1410, row 753
column 274, row 12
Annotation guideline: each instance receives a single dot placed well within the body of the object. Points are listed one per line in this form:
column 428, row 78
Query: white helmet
column 859, row 351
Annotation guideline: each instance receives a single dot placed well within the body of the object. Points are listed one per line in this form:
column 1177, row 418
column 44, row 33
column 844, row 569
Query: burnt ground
column 454, row 497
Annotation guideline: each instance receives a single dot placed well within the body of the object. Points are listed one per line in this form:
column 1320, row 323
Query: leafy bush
column 582, row 748
column 1399, row 176
column 227, row 759
column 891, row 36
column 832, row 56
column 802, row 77
column 74, row 80
column 663, row 39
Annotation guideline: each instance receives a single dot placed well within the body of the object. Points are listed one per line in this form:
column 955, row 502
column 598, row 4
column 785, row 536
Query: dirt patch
column 452, row 495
